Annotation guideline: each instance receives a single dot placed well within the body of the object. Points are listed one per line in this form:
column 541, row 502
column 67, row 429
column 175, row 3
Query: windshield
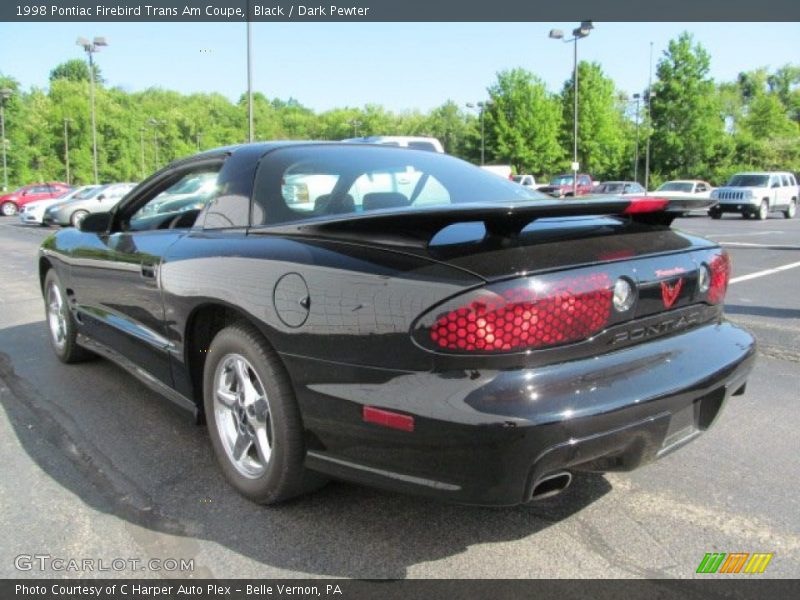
column 610, row 188
column 749, row 181
column 308, row 182
column 676, row 186
column 561, row 180
column 87, row 193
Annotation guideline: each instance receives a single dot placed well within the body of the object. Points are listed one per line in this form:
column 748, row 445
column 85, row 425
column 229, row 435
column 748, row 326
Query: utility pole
column 66, row 146
column 649, row 122
column 5, row 94
column 141, row 144
column 636, row 97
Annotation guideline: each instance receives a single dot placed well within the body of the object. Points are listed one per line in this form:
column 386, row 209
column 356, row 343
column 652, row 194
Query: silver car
column 72, row 212
column 33, row 212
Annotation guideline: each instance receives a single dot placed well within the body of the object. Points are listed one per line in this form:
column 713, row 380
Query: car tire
column 8, row 209
column 60, row 322
column 715, row 214
column 791, row 210
column 76, row 218
column 253, row 419
column 763, row 211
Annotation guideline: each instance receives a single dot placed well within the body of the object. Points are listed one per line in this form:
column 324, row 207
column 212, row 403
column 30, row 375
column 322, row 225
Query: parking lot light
column 582, row 31
column 90, row 48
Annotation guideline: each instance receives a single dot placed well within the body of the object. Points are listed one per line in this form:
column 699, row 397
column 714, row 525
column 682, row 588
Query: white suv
column 757, row 195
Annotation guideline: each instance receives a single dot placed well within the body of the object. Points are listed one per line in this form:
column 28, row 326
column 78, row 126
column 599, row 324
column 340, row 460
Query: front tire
column 9, row 209
column 60, row 322
column 763, row 211
column 253, row 419
column 791, row 210
column 715, row 214
column 77, row 217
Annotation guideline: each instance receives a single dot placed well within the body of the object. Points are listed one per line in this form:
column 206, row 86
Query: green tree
column 601, row 142
column 75, row 70
column 687, row 117
column 523, row 122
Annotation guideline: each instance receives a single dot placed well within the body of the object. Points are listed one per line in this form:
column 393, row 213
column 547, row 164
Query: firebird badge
column 670, row 293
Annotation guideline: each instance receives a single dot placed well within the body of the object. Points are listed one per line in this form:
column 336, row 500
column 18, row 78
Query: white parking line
column 749, row 233
column 765, row 272
column 768, row 246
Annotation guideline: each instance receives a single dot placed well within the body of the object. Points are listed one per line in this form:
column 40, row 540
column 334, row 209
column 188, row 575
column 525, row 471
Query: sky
column 402, row 66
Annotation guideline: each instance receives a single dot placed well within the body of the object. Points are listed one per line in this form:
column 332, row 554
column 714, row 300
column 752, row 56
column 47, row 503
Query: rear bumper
column 487, row 437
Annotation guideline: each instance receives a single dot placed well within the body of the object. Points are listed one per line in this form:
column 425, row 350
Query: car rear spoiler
column 416, row 228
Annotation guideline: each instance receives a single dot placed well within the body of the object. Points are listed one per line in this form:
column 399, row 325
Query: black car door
column 115, row 275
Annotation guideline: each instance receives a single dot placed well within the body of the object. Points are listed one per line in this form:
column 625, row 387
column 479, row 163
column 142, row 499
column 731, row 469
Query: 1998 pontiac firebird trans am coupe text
column 402, row 319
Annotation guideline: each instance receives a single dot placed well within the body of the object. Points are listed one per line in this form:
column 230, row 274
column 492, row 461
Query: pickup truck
column 561, row 186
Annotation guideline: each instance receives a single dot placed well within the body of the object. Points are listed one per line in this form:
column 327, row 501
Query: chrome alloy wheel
column 56, row 316
column 241, row 411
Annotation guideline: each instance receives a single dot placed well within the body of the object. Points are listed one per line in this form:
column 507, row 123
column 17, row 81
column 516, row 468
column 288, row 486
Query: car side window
column 785, row 179
column 176, row 203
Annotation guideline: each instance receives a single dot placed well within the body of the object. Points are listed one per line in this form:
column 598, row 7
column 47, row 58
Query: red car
column 561, row 186
column 11, row 203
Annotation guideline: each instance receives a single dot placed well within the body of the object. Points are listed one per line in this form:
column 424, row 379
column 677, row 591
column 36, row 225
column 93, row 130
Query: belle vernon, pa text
column 170, row 591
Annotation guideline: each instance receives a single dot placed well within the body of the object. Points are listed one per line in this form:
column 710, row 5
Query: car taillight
column 530, row 314
column 720, row 268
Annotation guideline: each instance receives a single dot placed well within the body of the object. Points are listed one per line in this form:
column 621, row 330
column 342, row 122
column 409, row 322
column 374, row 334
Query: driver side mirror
column 95, row 222
column 101, row 197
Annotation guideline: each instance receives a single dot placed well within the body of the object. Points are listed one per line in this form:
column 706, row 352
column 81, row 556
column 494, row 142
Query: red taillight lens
column 566, row 310
column 645, row 205
column 720, row 268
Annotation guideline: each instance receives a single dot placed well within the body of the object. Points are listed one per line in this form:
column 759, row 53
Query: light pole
column 481, row 109
column 141, row 144
column 249, row 76
column 636, row 97
column 66, row 146
column 90, row 48
column 155, row 124
column 5, row 94
column 356, row 124
column 650, row 95
column 579, row 32
column 197, row 136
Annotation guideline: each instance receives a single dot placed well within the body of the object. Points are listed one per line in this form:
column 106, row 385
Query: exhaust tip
column 551, row 485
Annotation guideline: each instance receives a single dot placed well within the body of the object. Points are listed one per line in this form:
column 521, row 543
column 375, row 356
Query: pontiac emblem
column 670, row 293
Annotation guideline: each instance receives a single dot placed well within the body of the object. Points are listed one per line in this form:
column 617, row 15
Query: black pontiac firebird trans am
column 400, row 318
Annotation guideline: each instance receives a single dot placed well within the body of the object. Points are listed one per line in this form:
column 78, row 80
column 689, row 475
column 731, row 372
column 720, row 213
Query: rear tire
column 791, row 210
column 9, row 209
column 715, row 214
column 60, row 322
column 253, row 419
column 763, row 211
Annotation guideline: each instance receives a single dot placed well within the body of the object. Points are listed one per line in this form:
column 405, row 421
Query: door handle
column 148, row 271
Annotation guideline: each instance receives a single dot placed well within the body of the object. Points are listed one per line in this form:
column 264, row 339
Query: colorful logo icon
column 670, row 293
column 735, row 562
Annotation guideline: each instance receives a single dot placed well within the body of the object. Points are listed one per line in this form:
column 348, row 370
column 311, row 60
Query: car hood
column 13, row 197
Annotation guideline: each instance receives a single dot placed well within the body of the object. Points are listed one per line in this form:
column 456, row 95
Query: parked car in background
column 527, row 181
column 681, row 188
column 504, row 171
column 72, row 212
column 403, row 141
column 618, row 188
column 437, row 340
column 561, row 186
column 33, row 212
column 756, row 195
column 10, row 204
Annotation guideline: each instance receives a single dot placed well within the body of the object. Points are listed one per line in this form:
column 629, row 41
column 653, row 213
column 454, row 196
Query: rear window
column 307, row 182
column 422, row 146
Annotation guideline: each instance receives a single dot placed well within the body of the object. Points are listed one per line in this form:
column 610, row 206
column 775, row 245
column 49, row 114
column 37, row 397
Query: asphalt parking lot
column 97, row 466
